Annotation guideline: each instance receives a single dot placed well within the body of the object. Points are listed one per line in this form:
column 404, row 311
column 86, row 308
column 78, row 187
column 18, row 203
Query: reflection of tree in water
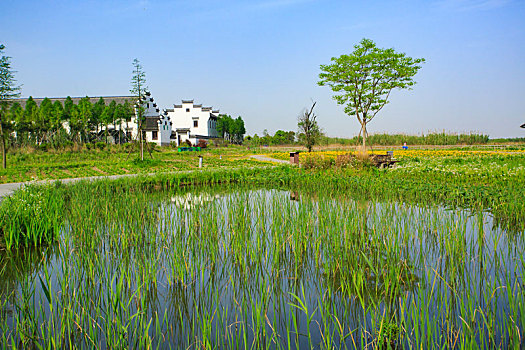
column 17, row 265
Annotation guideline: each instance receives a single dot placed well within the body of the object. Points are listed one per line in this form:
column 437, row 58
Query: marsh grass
column 233, row 259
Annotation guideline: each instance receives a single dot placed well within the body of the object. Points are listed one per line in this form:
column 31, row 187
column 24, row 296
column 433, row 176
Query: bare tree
column 309, row 131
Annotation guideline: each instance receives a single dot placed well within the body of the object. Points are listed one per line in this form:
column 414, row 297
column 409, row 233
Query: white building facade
column 187, row 121
column 192, row 122
column 156, row 128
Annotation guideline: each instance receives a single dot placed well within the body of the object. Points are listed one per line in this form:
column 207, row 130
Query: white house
column 156, row 128
column 192, row 122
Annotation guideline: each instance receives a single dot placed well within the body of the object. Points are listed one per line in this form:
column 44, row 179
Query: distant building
column 192, row 122
column 151, row 126
column 92, row 99
column 187, row 121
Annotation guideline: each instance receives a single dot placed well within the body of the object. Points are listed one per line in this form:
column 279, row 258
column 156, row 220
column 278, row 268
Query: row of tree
column 280, row 137
column 308, row 133
column 231, row 130
column 54, row 122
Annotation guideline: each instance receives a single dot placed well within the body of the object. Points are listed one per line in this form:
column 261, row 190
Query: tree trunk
column 363, row 133
column 4, row 153
column 3, row 145
column 141, row 145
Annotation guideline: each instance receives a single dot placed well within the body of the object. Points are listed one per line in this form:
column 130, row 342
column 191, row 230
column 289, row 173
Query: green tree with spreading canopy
column 364, row 79
column 8, row 90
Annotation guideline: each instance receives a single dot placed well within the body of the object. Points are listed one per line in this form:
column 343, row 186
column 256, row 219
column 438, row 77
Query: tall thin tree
column 8, row 90
column 138, row 89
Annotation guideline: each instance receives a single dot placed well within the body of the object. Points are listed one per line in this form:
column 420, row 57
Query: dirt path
column 8, row 188
column 268, row 159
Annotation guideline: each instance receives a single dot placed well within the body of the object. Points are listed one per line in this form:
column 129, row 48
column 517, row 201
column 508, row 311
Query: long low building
column 184, row 122
column 76, row 100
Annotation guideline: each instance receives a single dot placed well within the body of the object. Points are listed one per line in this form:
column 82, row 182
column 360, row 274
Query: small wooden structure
column 383, row 160
column 379, row 160
column 294, row 157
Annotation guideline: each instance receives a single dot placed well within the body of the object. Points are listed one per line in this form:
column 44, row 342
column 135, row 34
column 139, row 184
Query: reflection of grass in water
column 134, row 269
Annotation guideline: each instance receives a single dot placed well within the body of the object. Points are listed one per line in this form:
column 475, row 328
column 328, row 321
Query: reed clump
column 31, row 217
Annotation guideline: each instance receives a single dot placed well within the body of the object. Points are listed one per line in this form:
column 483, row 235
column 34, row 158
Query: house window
column 154, row 135
column 187, row 109
column 147, row 104
column 195, row 123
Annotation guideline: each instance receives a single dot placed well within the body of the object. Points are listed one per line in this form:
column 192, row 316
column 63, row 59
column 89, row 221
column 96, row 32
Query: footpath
column 8, row 188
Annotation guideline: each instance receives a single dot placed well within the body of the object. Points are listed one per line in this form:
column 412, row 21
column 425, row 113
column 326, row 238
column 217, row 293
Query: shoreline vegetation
column 246, row 254
column 493, row 181
column 33, row 163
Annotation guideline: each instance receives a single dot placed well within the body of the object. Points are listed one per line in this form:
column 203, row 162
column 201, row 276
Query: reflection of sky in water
column 216, row 253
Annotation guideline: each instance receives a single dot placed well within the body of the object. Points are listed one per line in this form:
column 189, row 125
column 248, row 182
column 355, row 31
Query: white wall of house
column 192, row 122
column 187, row 121
column 161, row 136
column 165, row 125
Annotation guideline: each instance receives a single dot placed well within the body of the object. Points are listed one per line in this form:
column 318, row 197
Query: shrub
column 317, row 162
column 202, row 144
column 31, row 216
column 345, row 160
column 100, row 145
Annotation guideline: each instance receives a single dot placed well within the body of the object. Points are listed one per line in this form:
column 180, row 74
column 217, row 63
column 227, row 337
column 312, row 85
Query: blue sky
column 260, row 59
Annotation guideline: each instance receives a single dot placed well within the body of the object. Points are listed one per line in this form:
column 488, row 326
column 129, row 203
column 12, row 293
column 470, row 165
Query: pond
column 272, row 268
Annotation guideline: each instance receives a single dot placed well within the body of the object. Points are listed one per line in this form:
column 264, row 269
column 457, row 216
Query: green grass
column 274, row 257
column 27, row 165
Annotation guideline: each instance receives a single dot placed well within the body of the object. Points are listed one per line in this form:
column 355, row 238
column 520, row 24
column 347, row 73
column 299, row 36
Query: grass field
column 29, row 165
column 36, row 165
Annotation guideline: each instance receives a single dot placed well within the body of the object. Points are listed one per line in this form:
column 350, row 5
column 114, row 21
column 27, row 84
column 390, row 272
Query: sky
column 260, row 59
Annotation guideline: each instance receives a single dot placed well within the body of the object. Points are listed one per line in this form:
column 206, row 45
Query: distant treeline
column 55, row 123
column 399, row 139
column 510, row 139
column 280, row 137
column 291, row 138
